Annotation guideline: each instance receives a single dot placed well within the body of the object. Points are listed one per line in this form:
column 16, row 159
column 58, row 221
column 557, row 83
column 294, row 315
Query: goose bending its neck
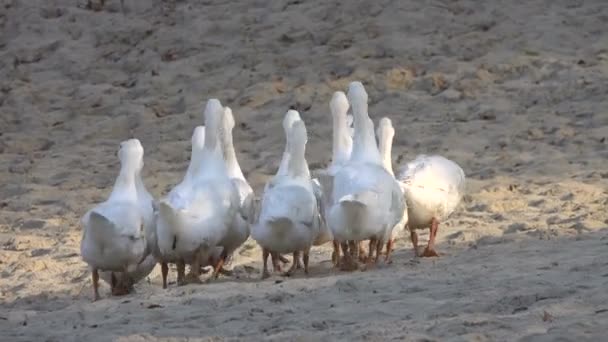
column 386, row 133
column 365, row 148
column 232, row 164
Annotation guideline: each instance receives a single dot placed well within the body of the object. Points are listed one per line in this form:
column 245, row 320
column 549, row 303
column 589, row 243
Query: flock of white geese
column 213, row 210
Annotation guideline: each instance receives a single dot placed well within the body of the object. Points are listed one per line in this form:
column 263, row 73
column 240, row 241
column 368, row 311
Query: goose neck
column 232, row 163
column 125, row 184
column 339, row 132
column 385, row 152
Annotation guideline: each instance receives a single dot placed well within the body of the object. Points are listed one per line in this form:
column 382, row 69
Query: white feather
column 118, row 233
column 433, row 186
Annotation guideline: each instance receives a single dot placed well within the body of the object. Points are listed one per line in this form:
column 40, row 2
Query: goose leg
column 113, row 282
column 294, row 264
column 414, row 237
column 353, row 246
column 379, row 245
column 372, row 248
column 219, row 265
column 265, row 254
column 164, row 268
column 370, row 257
column 429, row 251
column 194, row 277
column 389, row 249
column 306, row 258
column 362, row 255
column 181, row 273
column 335, row 255
column 275, row 257
column 349, row 263
column 120, row 286
column 95, row 276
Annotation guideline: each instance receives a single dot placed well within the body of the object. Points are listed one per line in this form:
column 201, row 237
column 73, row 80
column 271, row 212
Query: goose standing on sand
column 368, row 202
column 386, row 133
column 196, row 221
column 114, row 233
column 178, row 194
column 289, row 218
column 239, row 231
column 432, row 186
column 342, row 144
column 290, row 117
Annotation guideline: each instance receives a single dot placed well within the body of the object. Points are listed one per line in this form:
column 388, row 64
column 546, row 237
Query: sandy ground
column 514, row 91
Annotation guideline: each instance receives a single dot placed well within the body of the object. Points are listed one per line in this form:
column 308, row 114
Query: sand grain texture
column 515, row 92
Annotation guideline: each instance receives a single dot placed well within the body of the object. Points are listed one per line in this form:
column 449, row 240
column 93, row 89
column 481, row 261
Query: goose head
column 342, row 140
column 290, row 117
column 198, row 138
column 232, row 163
column 214, row 113
column 198, row 144
column 357, row 96
column 365, row 147
column 386, row 133
column 131, row 155
column 228, row 119
column 227, row 127
column 297, row 148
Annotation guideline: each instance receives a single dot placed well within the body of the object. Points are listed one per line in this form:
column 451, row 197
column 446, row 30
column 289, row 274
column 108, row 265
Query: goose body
column 180, row 195
column 291, row 117
column 192, row 223
column 367, row 200
column 385, row 134
column 324, row 235
column 289, row 220
column 114, row 234
column 239, row 230
column 342, row 143
column 433, row 187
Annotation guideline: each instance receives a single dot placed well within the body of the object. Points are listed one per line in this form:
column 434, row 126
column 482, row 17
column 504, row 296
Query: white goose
column 179, row 194
column 386, row 133
column 433, row 186
column 195, row 222
column 368, row 201
column 324, row 234
column 239, row 230
column 290, row 118
column 289, row 220
column 342, row 144
column 114, row 232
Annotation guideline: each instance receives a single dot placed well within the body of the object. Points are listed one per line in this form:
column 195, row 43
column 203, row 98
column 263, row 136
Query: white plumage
column 433, row 186
column 367, row 200
column 194, row 223
column 289, row 220
column 114, row 232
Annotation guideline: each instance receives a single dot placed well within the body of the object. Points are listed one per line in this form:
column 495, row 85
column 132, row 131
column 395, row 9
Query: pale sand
column 514, row 91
